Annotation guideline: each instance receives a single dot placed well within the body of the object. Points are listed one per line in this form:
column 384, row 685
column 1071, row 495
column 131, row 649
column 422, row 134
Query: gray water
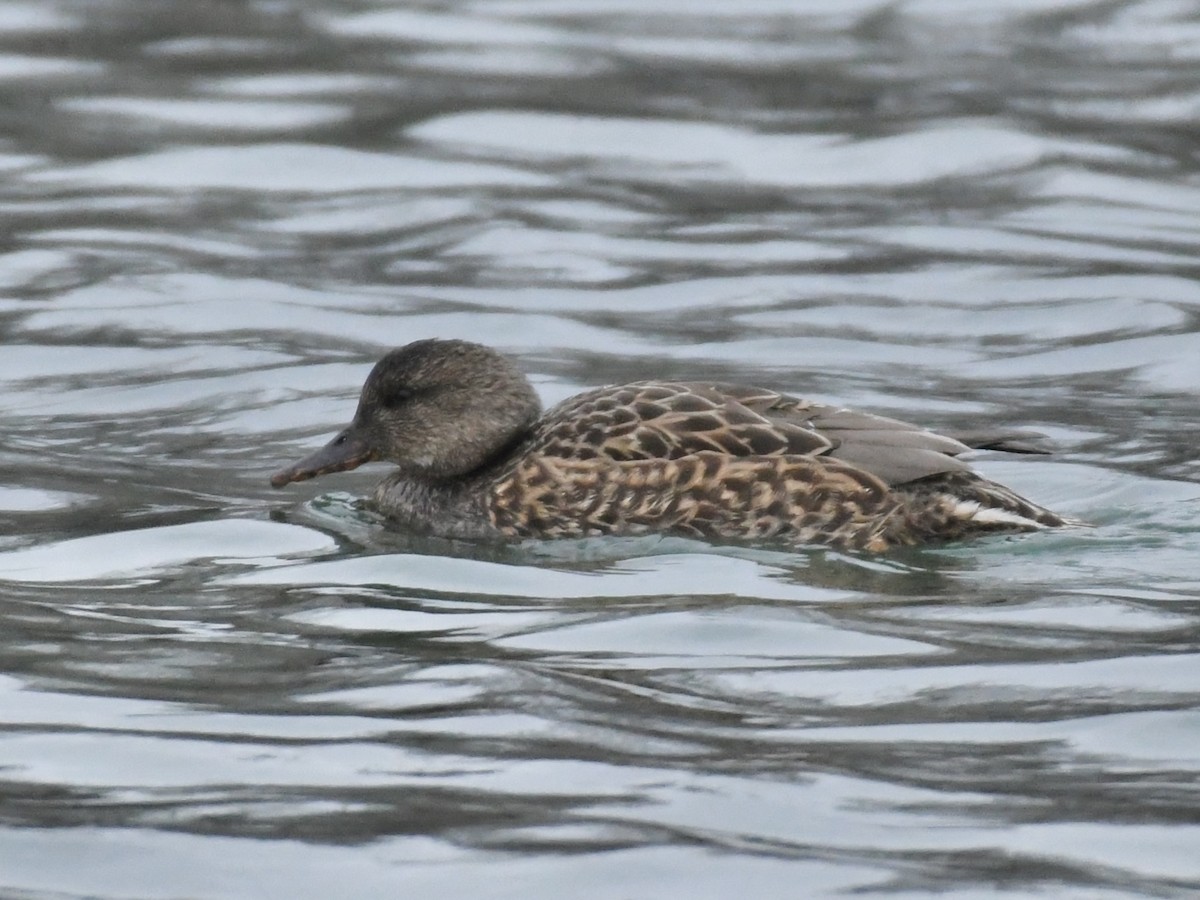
column 217, row 215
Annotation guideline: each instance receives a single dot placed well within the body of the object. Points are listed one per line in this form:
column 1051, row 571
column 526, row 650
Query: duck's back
column 720, row 460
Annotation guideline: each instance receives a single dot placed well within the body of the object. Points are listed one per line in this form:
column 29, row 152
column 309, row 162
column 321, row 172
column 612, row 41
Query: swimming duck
column 476, row 457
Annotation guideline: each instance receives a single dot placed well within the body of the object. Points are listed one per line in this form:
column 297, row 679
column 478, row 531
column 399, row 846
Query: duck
column 476, row 457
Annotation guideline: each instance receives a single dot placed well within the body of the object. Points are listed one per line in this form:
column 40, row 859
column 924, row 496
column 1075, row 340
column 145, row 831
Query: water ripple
column 967, row 215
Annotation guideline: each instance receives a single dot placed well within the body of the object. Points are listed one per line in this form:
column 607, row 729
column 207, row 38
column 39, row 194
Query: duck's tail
column 962, row 504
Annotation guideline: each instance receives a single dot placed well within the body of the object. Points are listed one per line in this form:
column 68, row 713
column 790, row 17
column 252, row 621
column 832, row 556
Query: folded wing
column 670, row 420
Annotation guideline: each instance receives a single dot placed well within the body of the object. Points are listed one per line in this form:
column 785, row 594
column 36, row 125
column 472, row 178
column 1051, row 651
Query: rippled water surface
column 218, row 215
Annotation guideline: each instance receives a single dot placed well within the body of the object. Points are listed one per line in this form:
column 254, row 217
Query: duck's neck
column 453, row 509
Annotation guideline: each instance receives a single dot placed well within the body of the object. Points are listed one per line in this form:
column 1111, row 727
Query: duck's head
column 437, row 409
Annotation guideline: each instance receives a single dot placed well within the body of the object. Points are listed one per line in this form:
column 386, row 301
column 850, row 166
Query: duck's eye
column 398, row 397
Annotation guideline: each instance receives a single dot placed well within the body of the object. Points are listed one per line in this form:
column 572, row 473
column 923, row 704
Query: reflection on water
column 217, row 218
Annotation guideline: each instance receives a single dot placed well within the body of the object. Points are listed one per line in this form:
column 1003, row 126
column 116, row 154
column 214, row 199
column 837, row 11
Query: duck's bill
column 346, row 451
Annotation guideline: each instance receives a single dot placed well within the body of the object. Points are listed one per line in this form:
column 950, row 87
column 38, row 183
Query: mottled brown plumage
column 476, row 458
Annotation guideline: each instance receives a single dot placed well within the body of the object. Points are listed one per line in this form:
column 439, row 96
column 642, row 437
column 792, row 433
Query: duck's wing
column 670, row 420
column 895, row 451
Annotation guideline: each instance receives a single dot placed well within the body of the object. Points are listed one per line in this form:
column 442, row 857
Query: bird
column 476, row 457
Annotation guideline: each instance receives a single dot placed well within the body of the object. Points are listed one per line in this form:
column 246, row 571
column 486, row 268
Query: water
column 217, row 216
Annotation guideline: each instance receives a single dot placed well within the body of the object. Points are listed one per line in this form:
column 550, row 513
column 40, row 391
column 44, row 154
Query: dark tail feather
column 962, row 504
column 992, row 496
column 1006, row 441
